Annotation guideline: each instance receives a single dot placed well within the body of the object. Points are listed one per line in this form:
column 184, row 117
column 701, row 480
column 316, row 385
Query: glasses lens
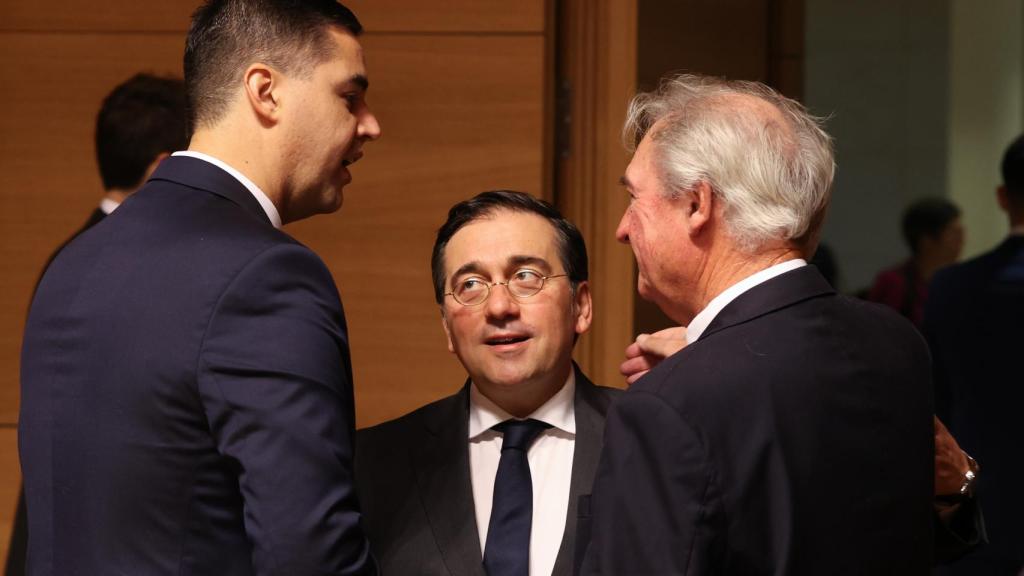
column 525, row 283
column 470, row 292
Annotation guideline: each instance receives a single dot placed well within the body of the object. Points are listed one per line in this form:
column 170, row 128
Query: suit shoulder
column 407, row 426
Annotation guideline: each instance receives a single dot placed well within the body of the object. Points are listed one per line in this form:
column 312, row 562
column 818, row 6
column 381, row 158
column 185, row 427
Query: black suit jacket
column 974, row 323
column 794, row 437
column 186, row 394
column 413, row 479
column 19, row 532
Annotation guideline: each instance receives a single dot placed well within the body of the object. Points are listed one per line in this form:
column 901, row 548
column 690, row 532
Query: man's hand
column 650, row 349
column 950, row 462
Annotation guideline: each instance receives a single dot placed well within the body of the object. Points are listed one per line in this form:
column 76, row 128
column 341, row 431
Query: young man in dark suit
column 439, row 486
column 793, row 434
column 974, row 322
column 186, row 384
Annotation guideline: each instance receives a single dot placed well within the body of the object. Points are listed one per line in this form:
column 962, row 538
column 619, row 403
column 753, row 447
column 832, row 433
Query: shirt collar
column 703, row 319
column 559, row 411
column 107, row 205
column 261, row 197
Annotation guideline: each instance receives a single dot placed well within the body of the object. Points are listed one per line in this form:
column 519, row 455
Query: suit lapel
column 591, row 404
column 779, row 292
column 443, row 480
column 200, row 174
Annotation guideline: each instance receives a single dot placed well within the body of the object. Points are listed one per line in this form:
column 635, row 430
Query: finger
column 659, row 346
column 633, row 351
column 634, row 365
column 636, row 377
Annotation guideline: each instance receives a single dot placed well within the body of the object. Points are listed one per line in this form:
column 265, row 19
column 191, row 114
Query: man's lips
column 506, row 339
column 351, row 159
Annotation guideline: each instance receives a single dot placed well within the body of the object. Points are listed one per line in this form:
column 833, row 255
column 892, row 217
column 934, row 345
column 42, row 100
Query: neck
column 927, row 265
column 721, row 272
column 523, row 399
column 244, row 151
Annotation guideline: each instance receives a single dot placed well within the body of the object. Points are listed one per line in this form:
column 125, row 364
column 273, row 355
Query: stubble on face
column 329, row 122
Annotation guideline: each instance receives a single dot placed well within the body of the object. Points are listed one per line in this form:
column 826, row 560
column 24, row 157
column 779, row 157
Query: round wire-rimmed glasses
column 474, row 291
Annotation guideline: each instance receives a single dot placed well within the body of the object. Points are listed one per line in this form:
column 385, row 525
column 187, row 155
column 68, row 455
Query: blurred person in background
column 935, row 236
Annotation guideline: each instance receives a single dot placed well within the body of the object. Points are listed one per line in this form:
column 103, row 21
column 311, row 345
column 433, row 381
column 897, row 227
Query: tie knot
column 519, row 434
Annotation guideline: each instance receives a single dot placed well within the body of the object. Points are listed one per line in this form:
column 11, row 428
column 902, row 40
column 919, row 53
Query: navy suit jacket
column 794, row 437
column 974, row 323
column 414, row 483
column 186, row 397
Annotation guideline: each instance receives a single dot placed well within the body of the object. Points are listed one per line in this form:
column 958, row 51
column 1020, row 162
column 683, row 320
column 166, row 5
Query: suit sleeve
column 275, row 381
column 935, row 307
column 654, row 506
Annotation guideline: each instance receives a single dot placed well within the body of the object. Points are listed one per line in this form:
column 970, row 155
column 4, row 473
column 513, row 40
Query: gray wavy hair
column 773, row 177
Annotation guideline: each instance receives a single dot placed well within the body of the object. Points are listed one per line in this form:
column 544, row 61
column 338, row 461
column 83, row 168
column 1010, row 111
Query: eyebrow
column 360, row 80
column 530, row 260
column 513, row 261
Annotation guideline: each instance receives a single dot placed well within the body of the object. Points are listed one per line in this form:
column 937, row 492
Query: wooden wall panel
column 598, row 64
column 460, row 114
column 477, row 16
column 10, row 480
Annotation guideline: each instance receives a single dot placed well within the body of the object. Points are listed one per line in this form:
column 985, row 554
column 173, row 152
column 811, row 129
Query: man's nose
column 500, row 302
column 622, row 232
column 369, row 127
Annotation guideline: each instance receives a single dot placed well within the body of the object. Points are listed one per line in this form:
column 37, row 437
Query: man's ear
column 698, row 205
column 582, row 307
column 262, row 91
column 1004, row 201
column 447, row 331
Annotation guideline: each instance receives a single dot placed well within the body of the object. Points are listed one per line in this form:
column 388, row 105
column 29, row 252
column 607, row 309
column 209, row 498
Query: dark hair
column 571, row 248
column 927, row 217
column 143, row 117
column 1013, row 169
column 227, row 36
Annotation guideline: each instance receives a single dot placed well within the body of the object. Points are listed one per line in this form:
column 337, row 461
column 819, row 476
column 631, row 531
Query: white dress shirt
column 251, row 186
column 701, row 321
column 107, row 205
column 550, row 458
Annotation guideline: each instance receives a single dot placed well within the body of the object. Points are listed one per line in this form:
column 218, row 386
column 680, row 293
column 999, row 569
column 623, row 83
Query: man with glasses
column 486, row 480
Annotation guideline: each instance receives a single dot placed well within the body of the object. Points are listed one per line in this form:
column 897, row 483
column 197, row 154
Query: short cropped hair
column 774, row 179
column 141, row 118
column 1013, row 171
column 927, row 217
column 571, row 248
column 227, row 36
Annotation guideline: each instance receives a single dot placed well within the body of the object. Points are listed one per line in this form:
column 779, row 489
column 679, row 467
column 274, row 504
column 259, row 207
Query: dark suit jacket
column 186, row 394
column 413, row 479
column 19, row 532
column 794, row 437
column 975, row 326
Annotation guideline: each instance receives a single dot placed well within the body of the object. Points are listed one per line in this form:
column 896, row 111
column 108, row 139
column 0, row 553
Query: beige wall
column 986, row 110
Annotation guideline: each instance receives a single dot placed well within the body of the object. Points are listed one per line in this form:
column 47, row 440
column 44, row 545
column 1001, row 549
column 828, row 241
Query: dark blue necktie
column 508, row 533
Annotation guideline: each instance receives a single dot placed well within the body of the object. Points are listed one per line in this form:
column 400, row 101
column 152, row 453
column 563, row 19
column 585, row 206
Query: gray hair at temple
column 773, row 178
